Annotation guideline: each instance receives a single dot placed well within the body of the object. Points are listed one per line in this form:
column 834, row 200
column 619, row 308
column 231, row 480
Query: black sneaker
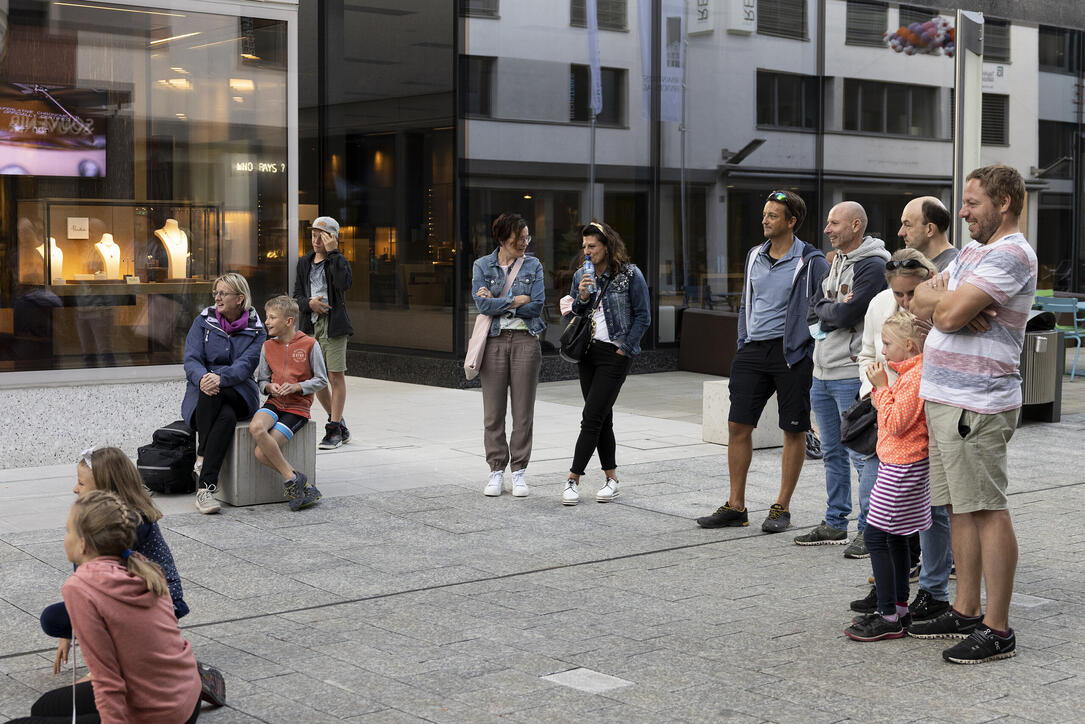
column 813, row 446
column 294, row 489
column 857, row 549
column 212, row 685
column 343, row 430
column 310, row 496
column 905, row 620
column 926, row 606
column 947, row 625
column 982, row 645
column 874, row 627
column 778, row 519
column 823, row 534
column 333, row 437
column 725, row 516
column 867, row 604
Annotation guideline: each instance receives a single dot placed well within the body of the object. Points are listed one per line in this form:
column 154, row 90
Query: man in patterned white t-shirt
column 972, row 387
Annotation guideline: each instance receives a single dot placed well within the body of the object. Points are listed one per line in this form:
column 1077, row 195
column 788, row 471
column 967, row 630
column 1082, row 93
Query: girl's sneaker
column 212, row 685
column 205, row 500
column 874, row 627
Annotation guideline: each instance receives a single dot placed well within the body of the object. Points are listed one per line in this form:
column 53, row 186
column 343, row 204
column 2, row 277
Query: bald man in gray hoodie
column 856, row 275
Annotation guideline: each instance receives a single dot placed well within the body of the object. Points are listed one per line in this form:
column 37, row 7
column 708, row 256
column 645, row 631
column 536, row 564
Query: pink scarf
column 235, row 326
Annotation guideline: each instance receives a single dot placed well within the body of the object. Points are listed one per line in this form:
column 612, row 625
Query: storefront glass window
column 143, row 153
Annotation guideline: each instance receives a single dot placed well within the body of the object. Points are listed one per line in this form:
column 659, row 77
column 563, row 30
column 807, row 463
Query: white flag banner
column 672, row 57
column 592, row 13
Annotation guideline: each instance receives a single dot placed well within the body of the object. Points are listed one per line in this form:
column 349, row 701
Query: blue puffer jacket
column 232, row 357
column 625, row 306
column 530, row 281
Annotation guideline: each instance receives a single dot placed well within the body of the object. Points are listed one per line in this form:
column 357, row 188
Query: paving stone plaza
column 407, row 595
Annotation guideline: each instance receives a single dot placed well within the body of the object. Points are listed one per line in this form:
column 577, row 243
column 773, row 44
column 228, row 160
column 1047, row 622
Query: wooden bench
column 244, row 480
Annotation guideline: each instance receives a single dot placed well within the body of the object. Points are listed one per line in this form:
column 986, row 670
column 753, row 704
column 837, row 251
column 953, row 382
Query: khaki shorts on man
column 968, row 457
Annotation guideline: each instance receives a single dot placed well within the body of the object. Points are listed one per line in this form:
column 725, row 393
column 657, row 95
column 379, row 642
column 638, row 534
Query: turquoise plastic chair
column 1066, row 305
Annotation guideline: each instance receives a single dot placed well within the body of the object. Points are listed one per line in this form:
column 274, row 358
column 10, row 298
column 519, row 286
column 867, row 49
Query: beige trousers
column 511, row 362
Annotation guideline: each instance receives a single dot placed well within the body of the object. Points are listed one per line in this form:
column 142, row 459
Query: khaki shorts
column 334, row 348
column 968, row 457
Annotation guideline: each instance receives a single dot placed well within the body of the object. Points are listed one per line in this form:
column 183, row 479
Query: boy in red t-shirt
column 291, row 370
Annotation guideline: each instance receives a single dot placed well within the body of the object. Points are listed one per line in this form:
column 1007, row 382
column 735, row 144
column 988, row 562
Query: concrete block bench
column 716, row 405
column 244, row 480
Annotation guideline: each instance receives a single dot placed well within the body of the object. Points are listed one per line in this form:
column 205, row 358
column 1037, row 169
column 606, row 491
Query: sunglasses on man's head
column 781, row 198
column 904, row 264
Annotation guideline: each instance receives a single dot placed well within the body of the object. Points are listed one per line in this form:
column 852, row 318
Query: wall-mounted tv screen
column 52, row 131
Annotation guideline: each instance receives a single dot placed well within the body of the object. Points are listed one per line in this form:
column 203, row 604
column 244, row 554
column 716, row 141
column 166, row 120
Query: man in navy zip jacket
column 782, row 276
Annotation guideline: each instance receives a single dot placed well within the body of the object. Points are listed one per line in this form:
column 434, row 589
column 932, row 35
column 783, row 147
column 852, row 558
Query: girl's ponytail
column 108, row 525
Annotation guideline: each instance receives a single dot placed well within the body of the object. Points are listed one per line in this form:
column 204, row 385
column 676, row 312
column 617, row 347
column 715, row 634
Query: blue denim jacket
column 625, row 307
column 530, row 281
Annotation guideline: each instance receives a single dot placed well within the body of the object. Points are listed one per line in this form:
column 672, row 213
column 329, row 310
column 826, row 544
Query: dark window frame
column 855, row 99
column 1049, row 38
column 480, row 104
column 995, row 120
column 612, row 14
column 773, row 20
column 807, row 101
column 480, row 8
column 615, row 84
column 999, row 51
column 860, row 25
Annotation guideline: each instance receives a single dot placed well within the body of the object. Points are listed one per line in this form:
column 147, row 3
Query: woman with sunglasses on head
column 513, row 356
column 616, row 296
column 905, row 271
column 222, row 351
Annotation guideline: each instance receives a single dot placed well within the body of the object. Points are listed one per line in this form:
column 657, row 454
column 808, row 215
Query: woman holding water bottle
column 611, row 289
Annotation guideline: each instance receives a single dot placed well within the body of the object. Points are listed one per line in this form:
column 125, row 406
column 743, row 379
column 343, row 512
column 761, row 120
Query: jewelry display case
column 126, row 277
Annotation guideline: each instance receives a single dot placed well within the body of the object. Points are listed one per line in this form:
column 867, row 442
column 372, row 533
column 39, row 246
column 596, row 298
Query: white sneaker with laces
column 496, row 484
column 519, row 485
column 571, row 494
column 205, row 500
column 608, row 492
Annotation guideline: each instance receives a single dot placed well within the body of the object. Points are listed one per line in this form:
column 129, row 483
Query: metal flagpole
column 682, row 152
column 596, row 92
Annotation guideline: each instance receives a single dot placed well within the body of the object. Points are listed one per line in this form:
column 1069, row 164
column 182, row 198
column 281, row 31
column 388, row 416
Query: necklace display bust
column 56, row 258
column 111, row 256
column 176, row 243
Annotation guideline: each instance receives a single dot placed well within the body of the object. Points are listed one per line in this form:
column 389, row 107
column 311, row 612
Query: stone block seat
column 244, row 480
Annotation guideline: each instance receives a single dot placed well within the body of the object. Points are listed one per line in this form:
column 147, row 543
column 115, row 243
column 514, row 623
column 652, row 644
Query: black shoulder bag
column 859, row 427
column 578, row 334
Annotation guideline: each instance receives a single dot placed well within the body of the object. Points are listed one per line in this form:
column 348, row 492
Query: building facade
column 416, row 122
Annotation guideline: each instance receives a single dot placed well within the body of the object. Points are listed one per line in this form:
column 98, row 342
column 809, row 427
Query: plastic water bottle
column 589, row 272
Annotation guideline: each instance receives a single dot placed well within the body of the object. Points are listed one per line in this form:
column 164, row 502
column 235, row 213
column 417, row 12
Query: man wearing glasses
column 783, row 275
column 856, row 275
column 323, row 278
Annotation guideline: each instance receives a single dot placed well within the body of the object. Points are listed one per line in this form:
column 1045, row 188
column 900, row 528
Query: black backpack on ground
column 166, row 464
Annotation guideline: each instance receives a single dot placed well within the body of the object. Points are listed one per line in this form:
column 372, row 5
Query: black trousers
column 889, row 558
column 55, row 707
column 602, row 373
column 215, row 418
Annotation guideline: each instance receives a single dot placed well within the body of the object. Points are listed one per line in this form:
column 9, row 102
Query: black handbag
column 579, row 332
column 577, row 337
column 859, row 427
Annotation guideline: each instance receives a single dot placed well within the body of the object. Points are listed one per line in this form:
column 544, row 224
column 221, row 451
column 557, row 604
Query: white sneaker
column 519, row 486
column 608, row 492
column 205, row 500
column 496, row 484
column 571, row 494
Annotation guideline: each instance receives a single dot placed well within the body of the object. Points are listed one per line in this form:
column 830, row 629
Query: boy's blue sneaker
column 310, row 496
column 294, row 489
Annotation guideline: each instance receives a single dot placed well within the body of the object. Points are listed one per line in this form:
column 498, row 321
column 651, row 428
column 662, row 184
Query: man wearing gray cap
column 320, row 289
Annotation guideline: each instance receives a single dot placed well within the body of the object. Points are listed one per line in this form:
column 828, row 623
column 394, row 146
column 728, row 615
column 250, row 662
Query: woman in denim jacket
column 621, row 318
column 513, row 353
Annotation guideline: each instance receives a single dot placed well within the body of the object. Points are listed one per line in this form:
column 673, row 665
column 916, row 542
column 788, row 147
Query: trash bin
column 1042, row 360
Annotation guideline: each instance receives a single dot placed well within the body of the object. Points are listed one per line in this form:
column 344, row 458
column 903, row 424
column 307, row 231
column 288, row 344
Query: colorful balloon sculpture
column 932, row 37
